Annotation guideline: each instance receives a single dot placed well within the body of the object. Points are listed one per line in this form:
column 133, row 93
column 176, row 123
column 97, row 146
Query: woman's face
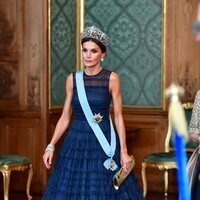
column 91, row 54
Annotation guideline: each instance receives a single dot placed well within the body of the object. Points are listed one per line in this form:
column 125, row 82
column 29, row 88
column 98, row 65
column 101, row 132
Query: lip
column 88, row 61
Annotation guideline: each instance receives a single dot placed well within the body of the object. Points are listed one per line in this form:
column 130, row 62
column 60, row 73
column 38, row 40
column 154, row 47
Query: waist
column 81, row 117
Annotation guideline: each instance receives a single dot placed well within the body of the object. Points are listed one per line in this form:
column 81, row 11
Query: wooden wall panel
column 148, row 133
column 182, row 51
column 23, row 84
column 20, row 136
column 11, row 50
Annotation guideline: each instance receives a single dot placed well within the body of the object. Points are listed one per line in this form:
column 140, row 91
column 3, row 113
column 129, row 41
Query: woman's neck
column 93, row 70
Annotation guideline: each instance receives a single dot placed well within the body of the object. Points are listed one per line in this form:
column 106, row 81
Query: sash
column 108, row 149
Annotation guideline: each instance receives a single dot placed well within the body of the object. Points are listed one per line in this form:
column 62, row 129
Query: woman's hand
column 195, row 137
column 47, row 158
column 126, row 162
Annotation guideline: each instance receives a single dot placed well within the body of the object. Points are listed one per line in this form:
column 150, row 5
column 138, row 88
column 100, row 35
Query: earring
column 101, row 59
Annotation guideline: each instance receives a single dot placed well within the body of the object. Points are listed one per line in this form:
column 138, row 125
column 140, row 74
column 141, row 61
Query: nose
column 88, row 54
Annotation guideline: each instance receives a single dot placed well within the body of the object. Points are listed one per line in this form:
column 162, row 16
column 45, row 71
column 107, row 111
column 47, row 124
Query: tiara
column 95, row 33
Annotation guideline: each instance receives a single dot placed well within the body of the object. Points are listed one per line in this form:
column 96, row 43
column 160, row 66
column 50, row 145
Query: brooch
column 112, row 164
column 97, row 118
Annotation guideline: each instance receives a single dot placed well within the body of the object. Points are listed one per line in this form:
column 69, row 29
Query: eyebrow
column 90, row 49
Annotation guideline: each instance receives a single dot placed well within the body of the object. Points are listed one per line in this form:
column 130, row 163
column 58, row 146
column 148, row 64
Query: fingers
column 127, row 163
column 125, row 159
column 126, row 168
column 47, row 158
column 194, row 137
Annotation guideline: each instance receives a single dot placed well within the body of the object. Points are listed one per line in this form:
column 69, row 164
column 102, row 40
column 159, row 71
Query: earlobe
column 102, row 58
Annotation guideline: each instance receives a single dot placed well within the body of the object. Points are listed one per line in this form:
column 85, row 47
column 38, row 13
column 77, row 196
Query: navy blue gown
column 79, row 173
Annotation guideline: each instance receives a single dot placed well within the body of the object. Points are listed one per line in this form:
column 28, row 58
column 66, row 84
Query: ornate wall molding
column 6, row 83
column 34, row 48
column 33, row 91
column 189, row 85
column 6, row 32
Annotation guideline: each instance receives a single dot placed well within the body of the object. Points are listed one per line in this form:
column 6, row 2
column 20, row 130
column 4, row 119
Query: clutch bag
column 121, row 175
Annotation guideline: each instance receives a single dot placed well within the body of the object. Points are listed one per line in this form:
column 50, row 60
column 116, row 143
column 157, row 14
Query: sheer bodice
column 97, row 92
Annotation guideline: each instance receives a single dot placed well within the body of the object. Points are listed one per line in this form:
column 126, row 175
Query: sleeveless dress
column 79, row 173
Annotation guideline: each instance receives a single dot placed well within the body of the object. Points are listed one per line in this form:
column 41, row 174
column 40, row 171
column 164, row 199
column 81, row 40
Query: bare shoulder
column 114, row 84
column 70, row 77
column 69, row 80
column 114, row 77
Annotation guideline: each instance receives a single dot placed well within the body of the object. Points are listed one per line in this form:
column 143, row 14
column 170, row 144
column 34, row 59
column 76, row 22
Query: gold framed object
column 80, row 18
column 161, row 104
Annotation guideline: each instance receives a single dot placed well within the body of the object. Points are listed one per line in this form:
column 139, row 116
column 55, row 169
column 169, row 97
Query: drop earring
column 102, row 59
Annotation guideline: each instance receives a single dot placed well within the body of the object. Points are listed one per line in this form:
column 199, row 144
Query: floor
column 160, row 196
column 150, row 196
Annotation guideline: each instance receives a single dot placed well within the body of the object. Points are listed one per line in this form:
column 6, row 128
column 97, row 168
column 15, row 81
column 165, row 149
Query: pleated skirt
column 79, row 174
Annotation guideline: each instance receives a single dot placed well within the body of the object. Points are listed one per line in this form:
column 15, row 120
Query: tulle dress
column 79, row 173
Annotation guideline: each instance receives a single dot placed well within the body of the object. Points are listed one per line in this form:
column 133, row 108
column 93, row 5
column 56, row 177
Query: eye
column 94, row 51
column 84, row 50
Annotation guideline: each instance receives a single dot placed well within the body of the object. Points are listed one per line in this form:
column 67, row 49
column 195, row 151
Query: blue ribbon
column 108, row 149
column 110, row 164
column 183, row 180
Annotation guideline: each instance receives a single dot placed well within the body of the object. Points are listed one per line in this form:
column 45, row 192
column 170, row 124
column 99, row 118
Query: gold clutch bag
column 121, row 175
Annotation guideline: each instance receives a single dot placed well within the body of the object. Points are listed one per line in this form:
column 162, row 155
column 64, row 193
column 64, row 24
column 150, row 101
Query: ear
column 102, row 56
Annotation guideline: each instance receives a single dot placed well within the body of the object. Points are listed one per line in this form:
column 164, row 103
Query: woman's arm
column 115, row 90
column 63, row 121
column 195, row 137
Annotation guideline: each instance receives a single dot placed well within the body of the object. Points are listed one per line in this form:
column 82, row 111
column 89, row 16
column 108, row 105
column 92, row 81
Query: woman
column 194, row 129
column 83, row 170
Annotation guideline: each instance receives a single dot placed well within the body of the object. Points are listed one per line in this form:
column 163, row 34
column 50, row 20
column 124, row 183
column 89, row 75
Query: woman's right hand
column 47, row 158
column 195, row 137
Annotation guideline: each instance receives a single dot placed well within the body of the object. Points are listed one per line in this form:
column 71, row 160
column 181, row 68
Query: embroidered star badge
column 97, row 118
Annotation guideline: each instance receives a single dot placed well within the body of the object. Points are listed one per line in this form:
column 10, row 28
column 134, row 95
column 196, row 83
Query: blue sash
column 108, row 149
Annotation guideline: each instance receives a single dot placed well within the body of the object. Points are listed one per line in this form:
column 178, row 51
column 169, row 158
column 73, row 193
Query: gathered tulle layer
column 79, row 173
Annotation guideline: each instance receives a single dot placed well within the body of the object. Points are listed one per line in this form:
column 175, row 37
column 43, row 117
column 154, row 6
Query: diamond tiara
column 95, row 33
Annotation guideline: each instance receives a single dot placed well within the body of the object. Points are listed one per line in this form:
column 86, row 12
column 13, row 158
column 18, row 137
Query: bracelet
column 50, row 147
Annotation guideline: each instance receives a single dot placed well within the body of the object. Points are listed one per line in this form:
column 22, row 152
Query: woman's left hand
column 125, row 161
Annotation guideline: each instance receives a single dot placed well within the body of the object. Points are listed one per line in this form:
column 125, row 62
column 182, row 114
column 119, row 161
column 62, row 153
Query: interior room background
column 151, row 45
